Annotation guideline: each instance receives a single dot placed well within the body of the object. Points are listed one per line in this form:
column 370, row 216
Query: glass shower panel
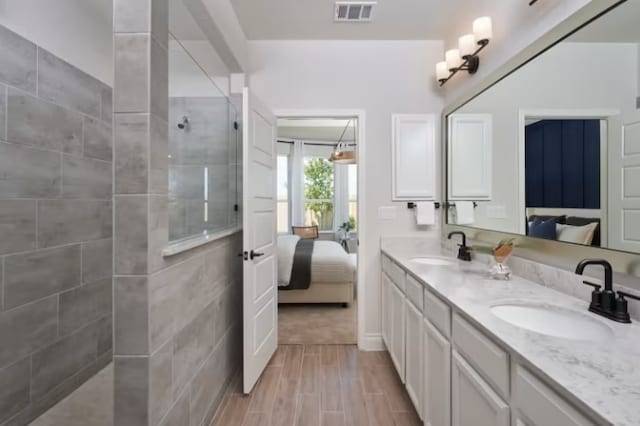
column 202, row 149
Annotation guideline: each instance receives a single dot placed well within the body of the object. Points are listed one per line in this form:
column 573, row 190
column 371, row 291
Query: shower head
column 184, row 123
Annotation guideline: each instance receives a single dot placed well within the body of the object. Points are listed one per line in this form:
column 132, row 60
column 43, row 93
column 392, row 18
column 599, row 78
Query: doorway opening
column 318, row 228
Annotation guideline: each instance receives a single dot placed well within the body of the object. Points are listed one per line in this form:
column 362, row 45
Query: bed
column 333, row 273
column 572, row 229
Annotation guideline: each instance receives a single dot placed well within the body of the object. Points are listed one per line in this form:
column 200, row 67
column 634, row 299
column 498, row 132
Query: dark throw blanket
column 301, row 269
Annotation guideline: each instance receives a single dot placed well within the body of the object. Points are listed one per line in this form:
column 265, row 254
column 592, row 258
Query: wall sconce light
column 465, row 57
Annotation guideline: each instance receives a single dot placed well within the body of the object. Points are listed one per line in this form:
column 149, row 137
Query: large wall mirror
column 553, row 149
column 204, row 134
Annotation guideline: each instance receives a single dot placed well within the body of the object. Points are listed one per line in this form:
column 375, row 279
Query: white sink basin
column 552, row 321
column 433, row 261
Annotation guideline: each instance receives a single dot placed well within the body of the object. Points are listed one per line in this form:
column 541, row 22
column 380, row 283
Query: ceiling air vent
column 354, row 11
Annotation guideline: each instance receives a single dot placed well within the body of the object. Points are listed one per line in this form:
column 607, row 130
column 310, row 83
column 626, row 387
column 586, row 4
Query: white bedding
column 329, row 262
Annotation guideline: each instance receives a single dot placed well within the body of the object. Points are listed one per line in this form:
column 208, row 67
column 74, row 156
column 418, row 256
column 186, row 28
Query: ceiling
column 618, row 26
column 313, row 19
column 319, row 130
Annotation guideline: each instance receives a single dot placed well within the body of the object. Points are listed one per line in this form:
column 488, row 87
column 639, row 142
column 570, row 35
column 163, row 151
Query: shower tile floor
column 89, row 405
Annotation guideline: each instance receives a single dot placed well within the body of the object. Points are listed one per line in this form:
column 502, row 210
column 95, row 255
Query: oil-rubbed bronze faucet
column 464, row 252
column 604, row 302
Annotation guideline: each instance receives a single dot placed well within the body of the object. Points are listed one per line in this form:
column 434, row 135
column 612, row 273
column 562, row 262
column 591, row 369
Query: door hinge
column 235, row 125
column 235, row 207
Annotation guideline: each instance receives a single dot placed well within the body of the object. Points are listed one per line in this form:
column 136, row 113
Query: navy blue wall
column 562, row 164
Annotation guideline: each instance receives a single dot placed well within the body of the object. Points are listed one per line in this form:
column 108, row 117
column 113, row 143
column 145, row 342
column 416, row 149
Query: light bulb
column 453, row 59
column 467, row 45
column 482, row 29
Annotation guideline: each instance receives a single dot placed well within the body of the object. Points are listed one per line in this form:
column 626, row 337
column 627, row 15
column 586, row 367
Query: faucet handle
column 621, row 311
column 623, row 294
column 596, row 287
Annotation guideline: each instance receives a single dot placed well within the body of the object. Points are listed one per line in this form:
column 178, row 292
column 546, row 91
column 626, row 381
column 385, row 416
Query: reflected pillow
column 543, row 229
column 577, row 234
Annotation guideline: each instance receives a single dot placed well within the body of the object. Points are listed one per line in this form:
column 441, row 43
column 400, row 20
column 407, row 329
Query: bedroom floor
column 313, row 385
column 317, row 324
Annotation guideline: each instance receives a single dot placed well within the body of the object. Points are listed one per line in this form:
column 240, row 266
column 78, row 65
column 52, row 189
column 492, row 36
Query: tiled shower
column 55, row 227
column 84, row 220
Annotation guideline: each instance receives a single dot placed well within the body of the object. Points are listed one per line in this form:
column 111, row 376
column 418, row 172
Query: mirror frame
column 559, row 254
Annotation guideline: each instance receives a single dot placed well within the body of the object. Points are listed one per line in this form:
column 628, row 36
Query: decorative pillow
column 577, row 234
column 546, row 229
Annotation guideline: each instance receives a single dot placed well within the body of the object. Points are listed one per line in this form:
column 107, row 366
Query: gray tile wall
column 177, row 324
column 55, row 228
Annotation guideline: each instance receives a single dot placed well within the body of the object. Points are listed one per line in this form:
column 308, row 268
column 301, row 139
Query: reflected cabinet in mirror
column 204, row 136
column 553, row 149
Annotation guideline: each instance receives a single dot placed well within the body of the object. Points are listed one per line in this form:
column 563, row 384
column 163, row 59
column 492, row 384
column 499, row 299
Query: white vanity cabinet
column 386, row 309
column 436, row 361
column 397, row 339
column 413, row 355
column 536, row 404
column 473, row 401
column 454, row 372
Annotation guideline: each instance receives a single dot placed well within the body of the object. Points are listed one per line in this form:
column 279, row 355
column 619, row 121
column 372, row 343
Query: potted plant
column 501, row 252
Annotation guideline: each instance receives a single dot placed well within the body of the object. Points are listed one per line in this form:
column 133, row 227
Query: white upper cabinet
column 469, row 157
column 414, row 157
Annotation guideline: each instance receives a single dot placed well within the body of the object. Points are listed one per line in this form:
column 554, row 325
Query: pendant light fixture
column 342, row 154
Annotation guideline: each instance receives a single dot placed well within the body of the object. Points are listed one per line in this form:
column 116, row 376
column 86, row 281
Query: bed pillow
column 543, row 229
column 577, row 234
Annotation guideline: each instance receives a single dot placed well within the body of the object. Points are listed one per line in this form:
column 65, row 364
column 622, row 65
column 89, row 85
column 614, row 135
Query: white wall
column 78, row 31
column 515, row 26
column 208, row 77
column 569, row 76
column 380, row 77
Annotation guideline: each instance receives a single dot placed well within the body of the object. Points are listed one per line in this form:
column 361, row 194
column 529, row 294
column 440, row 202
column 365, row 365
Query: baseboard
column 371, row 342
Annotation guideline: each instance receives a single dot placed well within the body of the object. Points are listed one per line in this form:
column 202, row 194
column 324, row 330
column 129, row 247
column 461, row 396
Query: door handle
column 253, row 254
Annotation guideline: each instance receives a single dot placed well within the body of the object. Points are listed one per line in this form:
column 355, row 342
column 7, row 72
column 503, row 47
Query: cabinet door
column 470, row 157
column 436, row 409
column 386, row 310
column 397, row 313
column 413, row 356
column 474, row 403
column 414, row 157
column 536, row 404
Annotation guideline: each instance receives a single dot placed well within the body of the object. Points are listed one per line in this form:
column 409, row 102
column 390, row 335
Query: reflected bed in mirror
column 552, row 150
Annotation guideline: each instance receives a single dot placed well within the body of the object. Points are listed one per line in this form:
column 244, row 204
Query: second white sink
column 552, row 321
column 433, row 261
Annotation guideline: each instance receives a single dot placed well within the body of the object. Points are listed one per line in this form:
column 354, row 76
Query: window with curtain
column 319, row 193
column 283, row 194
column 353, row 195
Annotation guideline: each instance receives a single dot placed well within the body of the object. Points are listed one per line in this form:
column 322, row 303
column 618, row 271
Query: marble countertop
column 603, row 377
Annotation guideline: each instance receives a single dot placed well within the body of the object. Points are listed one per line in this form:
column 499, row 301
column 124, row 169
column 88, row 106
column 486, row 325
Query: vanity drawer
column 534, row 403
column 395, row 272
column 438, row 312
column 488, row 358
column 414, row 291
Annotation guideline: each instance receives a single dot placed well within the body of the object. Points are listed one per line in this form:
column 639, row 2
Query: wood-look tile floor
column 328, row 385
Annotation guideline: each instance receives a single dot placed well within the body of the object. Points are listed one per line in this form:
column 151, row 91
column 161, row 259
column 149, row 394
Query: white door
column 260, row 292
column 624, row 185
column 436, row 408
column 413, row 356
